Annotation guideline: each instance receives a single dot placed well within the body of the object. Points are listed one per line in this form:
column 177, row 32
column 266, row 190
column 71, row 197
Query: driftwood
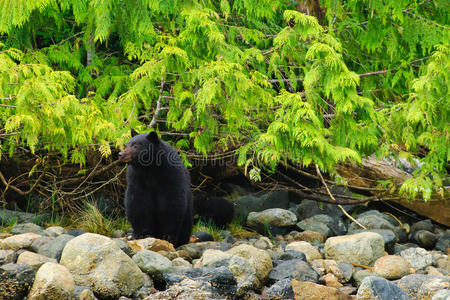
column 371, row 171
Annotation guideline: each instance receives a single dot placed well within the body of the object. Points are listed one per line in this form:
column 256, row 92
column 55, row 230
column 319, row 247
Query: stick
column 158, row 104
column 331, row 196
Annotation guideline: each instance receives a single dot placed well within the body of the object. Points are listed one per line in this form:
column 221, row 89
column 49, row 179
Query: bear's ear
column 152, row 137
column 133, row 132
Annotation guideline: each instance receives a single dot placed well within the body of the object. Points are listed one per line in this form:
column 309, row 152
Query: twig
column 373, row 73
column 102, row 185
column 158, row 104
column 2, row 135
column 363, row 266
column 6, row 183
column 424, row 19
column 331, row 196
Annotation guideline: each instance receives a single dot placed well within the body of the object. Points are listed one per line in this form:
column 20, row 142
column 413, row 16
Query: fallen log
column 372, row 171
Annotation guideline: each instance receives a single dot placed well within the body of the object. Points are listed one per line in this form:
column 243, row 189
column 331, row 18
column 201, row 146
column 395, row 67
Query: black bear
column 215, row 209
column 158, row 199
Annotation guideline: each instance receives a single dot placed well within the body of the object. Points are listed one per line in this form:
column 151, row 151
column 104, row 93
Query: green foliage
column 259, row 77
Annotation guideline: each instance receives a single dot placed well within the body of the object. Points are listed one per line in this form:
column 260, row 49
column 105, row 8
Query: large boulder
column 96, row 261
column 362, row 248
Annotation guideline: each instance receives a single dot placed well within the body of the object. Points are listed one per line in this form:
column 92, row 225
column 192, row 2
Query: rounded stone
column 391, row 267
column 361, row 248
column 310, row 251
column 52, row 282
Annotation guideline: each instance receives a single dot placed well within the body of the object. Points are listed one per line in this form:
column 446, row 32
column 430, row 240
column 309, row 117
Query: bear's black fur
column 215, row 209
column 158, row 199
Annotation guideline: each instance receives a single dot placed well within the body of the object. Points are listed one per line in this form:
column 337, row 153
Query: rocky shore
column 306, row 251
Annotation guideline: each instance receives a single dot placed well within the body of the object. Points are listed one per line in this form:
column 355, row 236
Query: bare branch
column 331, row 196
column 158, row 104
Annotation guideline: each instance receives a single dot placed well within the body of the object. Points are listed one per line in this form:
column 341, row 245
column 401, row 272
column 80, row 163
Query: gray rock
column 342, row 271
column 243, row 205
column 195, row 250
column 443, row 241
column 180, row 263
column 293, row 269
column 441, row 295
column 371, row 221
column 75, row 232
column 310, row 251
column 313, row 225
column 29, row 227
column 263, row 243
column 423, row 238
column 388, row 235
column 400, row 247
column 19, row 241
column 346, row 269
column 152, row 263
column 52, row 282
column 144, row 292
column 309, row 208
column 124, row 246
column 373, row 287
column 10, row 216
column 361, row 248
column 54, row 248
column 418, row 258
column 423, row 225
column 213, row 258
column 34, row 260
column 419, row 286
column 39, row 242
column 96, row 261
column 292, row 254
column 335, row 224
column 245, row 275
column 221, row 279
column 359, row 276
column 187, row 289
column 56, row 230
column 274, row 216
column 259, row 259
column 15, row 281
column 83, row 293
column 281, row 289
column 387, row 217
column 7, row 256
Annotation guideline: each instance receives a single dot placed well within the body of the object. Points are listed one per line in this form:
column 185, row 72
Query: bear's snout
column 125, row 156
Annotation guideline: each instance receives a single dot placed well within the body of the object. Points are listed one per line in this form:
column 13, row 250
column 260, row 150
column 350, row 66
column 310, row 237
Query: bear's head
column 141, row 149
